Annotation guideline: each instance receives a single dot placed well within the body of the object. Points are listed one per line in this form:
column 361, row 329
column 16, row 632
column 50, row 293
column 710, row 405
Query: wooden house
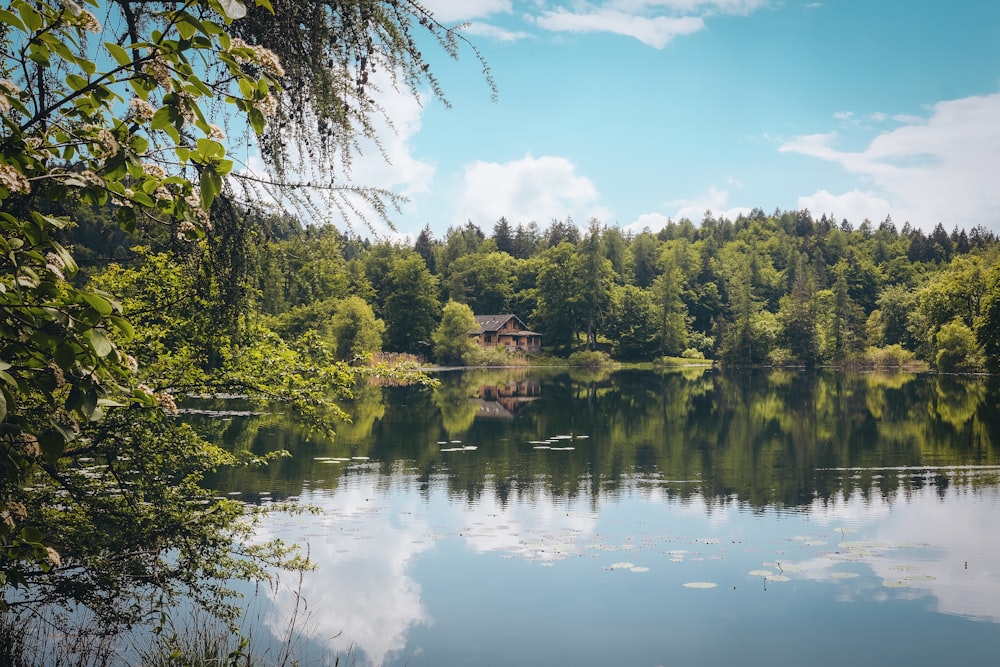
column 507, row 331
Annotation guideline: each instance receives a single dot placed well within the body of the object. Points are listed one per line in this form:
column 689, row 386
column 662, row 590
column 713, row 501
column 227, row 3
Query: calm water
column 640, row 518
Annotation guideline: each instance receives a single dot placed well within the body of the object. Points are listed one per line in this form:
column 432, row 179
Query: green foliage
column 586, row 358
column 411, row 308
column 483, row 281
column 633, row 324
column 559, row 288
column 890, row 356
column 358, row 334
column 453, row 338
column 956, row 347
column 100, row 488
column 988, row 323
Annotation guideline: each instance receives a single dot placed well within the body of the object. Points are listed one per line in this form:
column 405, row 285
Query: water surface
column 641, row 518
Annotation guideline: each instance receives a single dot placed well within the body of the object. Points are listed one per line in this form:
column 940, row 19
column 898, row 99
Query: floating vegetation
column 621, row 566
column 896, row 584
column 761, row 573
column 467, row 448
column 919, row 577
column 779, row 578
column 845, row 575
column 700, row 584
column 639, row 568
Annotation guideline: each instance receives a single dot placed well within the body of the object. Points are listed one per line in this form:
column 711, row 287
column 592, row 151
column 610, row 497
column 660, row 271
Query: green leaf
column 32, row 19
column 257, row 120
column 53, row 444
column 39, row 54
column 10, row 18
column 31, row 535
column 211, row 185
column 76, row 82
column 98, row 303
column 66, row 258
column 8, row 378
column 118, row 53
column 139, row 144
column 3, row 405
column 122, row 325
column 65, row 355
column 184, row 28
column 102, row 345
column 89, row 404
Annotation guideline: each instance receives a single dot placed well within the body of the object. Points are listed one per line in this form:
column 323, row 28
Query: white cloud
column 939, row 169
column 539, row 189
column 705, row 7
column 653, row 22
column 655, row 31
column 694, row 209
column 361, row 596
column 494, row 32
column 962, row 532
column 855, row 206
column 715, row 200
column 654, row 221
column 449, row 11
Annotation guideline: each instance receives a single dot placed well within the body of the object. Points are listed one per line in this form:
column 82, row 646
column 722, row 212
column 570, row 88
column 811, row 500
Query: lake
column 689, row 517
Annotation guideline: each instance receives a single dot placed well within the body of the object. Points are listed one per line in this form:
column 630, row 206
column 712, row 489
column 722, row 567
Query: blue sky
column 639, row 111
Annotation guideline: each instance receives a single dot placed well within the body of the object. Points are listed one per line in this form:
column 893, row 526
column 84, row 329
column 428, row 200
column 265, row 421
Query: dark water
column 641, row 518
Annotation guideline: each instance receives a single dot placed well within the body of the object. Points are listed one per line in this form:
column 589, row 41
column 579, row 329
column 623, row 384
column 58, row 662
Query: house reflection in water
column 504, row 401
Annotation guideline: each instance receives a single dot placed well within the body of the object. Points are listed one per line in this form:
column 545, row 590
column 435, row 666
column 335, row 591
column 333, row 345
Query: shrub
column 890, row 356
column 589, row 358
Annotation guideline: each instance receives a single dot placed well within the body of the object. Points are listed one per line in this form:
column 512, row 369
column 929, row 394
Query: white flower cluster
column 7, row 91
column 140, row 110
column 260, row 55
column 13, row 180
column 87, row 21
column 160, row 71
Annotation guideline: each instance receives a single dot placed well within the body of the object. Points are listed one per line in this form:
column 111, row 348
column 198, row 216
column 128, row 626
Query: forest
column 783, row 289
column 141, row 266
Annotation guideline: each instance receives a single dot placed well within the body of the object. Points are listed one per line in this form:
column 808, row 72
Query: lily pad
column 700, row 584
column 639, row 568
column 621, row 566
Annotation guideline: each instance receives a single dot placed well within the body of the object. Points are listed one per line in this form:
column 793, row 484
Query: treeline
column 783, row 289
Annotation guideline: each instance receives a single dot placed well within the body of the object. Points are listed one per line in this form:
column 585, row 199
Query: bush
column 589, row 358
column 496, row 356
column 692, row 353
column 890, row 356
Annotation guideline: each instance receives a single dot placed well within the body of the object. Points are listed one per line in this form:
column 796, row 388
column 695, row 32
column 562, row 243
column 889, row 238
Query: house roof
column 495, row 322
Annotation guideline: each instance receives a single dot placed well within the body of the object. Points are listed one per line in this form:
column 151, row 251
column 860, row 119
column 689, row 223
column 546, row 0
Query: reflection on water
column 643, row 518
